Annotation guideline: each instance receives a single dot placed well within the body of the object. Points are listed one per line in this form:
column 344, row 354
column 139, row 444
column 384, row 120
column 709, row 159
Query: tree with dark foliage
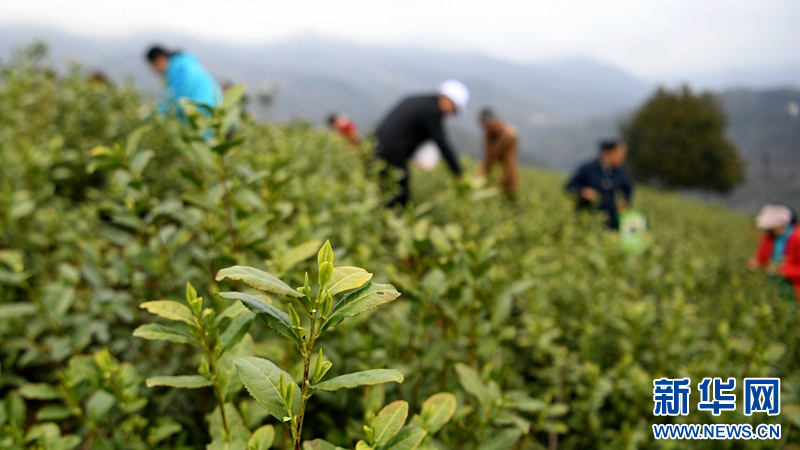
column 677, row 140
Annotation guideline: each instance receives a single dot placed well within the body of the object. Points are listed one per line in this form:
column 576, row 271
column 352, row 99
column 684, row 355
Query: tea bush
column 545, row 330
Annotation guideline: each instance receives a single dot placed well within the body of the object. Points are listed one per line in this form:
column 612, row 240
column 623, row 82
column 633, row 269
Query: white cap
column 457, row 93
column 773, row 216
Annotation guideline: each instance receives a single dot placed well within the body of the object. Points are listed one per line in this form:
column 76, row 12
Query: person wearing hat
column 415, row 120
column 596, row 183
column 779, row 250
column 501, row 145
column 186, row 78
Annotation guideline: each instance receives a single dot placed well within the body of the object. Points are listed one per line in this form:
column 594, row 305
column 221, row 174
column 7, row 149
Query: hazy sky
column 652, row 39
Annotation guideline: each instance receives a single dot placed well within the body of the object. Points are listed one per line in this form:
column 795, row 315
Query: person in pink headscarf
column 779, row 250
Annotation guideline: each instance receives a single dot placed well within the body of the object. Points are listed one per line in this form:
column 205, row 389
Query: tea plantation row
column 545, row 329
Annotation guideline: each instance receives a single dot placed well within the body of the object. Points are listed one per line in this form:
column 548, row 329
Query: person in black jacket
column 596, row 182
column 414, row 121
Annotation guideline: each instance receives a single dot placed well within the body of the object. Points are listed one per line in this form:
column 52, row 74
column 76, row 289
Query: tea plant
column 499, row 423
column 219, row 346
column 94, row 391
column 274, row 388
column 385, row 430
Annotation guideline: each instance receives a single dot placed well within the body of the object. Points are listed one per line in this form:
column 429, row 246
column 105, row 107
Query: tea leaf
column 471, row 382
column 239, row 433
column 262, row 438
column 180, row 381
column 171, row 310
column 258, row 279
column 236, row 443
column 407, row 439
column 51, row 412
column 238, row 327
column 298, row 254
column 325, row 254
column 57, row 299
column 347, row 278
column 325, row 273
column 437, row 411
column 389, row 421
column 227, row 378
column 503, row 440
column 231, row 311
column 364, row 378
column 98, row 406
column 262, row 379
column 164, row 430
column 272, row 316
column 39, row 392
column 319, row 444
column 233, row 96
column 140, row 161
column 154, row 331
column 511, row 418
column 368, row 297
column 11, row 310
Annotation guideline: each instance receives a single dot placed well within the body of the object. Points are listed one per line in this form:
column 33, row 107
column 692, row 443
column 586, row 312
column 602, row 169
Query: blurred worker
column 345, row 127
column 415, row 120
column 500, row 141
column 98, row 78
column 596, row 182
column 779, row 250
column 185, row 78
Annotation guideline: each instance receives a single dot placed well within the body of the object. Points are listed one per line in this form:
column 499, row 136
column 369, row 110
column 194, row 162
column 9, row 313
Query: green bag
column 632, row 227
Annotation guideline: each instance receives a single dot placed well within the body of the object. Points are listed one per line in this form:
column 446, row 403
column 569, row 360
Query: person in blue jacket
column 185, row 78
column 596, row 182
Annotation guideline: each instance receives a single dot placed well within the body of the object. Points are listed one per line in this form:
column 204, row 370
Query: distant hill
column 561, row 107
column 765, row 125
column 315, row 75
column 767, row 77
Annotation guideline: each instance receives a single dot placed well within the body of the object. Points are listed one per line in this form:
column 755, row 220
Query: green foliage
column 388, row 430
column 544, row 331
column 220, row 345
column 275, row 389
column 677, row 140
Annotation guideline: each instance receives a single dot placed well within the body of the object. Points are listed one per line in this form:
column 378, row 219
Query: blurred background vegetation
column 561, row 107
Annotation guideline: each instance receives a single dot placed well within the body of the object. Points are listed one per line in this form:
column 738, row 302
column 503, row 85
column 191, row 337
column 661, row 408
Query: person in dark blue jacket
column 185, row 78
column 596, row 183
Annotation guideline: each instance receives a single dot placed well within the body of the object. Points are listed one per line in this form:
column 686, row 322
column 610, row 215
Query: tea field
column 518, row 325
